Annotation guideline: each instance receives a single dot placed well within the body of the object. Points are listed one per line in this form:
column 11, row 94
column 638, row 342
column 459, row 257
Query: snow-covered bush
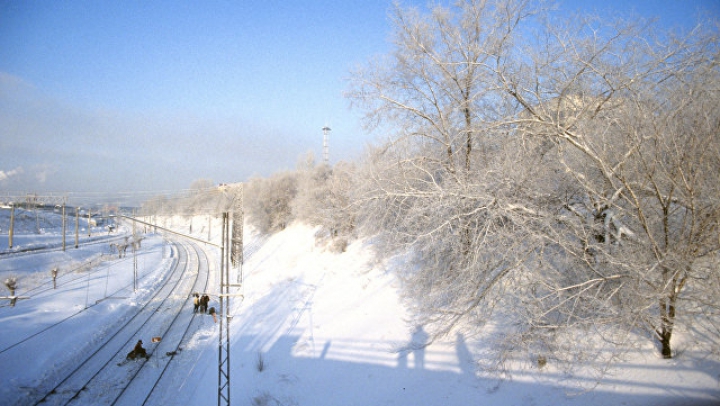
column 268, row 201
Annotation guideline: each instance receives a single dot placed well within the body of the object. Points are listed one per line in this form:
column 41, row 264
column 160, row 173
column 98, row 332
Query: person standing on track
column 196, row 302
column 137, row 352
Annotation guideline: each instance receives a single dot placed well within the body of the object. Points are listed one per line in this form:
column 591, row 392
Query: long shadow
column 279, row 376
column 275, row 363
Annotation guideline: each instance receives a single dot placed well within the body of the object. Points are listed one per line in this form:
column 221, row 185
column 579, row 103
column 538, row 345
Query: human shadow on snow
column 279, row 360
column 350, row 372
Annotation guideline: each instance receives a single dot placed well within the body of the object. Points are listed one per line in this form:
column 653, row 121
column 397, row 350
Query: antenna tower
column 326, row 149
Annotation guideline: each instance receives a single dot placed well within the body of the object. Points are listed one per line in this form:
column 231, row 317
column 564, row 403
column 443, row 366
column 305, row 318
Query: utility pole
column 12, row 225
column 77, row 226
column 37, row 217
column 63, row 226
column 135, row 273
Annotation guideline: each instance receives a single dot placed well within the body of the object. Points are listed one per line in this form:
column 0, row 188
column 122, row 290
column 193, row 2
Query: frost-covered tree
column 631, row 126
column 268, row 201
column 323, row 199
column 203, row 197
column 439, row 184
column 312, row 190
column 155, row 205
column 566, row 178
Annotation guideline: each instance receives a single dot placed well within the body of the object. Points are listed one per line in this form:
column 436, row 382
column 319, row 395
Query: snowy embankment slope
column 318, row 328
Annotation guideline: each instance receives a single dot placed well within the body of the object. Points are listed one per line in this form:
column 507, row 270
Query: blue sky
column 101, row 96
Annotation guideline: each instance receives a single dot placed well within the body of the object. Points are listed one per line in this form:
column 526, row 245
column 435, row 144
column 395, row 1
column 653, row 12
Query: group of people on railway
column 200, row 303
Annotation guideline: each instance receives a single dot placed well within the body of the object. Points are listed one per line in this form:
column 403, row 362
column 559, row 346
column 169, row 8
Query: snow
column 314, row 327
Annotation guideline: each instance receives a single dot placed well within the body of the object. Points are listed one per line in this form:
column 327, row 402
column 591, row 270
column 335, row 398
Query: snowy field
column 313, row 328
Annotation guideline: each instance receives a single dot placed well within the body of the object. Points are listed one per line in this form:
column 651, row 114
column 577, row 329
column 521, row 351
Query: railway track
column 68, row 281
column 97, row 378
column 65, row 275
column 58, row 246
column 147, row 379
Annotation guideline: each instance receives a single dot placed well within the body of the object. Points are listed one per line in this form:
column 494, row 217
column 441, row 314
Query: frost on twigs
column 562, row 176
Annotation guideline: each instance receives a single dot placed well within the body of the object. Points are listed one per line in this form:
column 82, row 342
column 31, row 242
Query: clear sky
column 129, row 96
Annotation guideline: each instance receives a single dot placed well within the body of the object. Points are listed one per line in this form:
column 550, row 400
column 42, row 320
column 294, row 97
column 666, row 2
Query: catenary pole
column 224, row 336
column 63, row 226
column 12, row 226
column 77, row 226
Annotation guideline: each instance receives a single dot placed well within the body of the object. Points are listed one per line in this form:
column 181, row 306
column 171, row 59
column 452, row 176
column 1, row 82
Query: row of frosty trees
column 554, row 182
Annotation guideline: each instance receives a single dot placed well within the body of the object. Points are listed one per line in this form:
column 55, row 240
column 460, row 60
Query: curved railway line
column 97, row 378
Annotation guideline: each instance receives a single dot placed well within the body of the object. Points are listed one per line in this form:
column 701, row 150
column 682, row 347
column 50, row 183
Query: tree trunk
column 667, row 320
column 664, row 335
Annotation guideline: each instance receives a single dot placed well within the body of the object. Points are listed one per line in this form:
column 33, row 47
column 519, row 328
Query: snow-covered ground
column 314, row 328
